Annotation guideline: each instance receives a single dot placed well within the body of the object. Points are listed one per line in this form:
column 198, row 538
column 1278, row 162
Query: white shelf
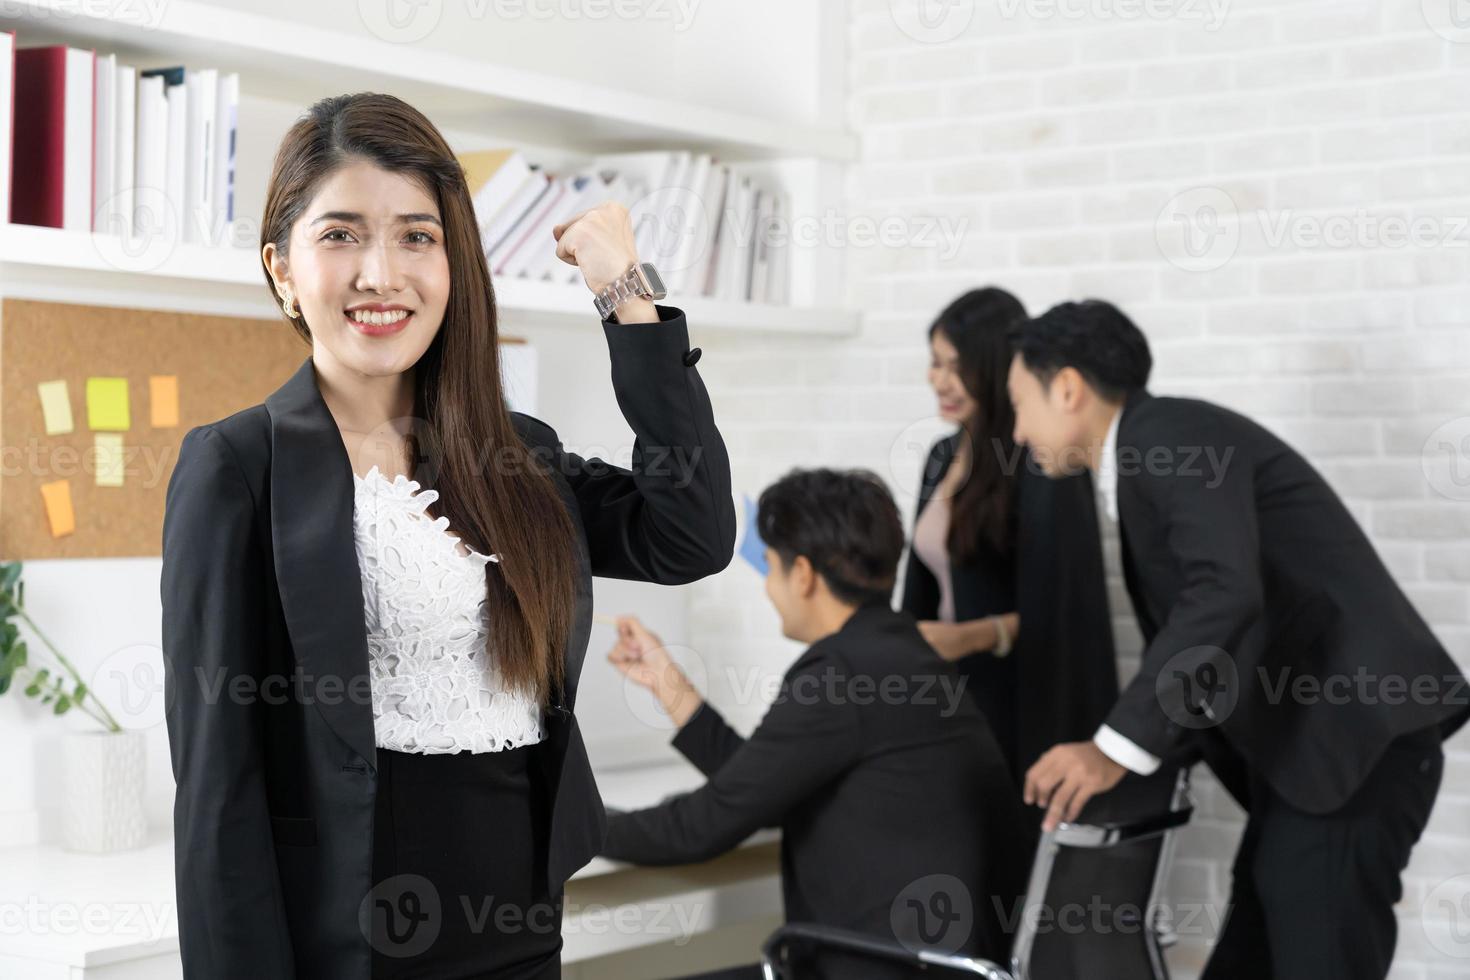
column 298, row 63
column 80, row 267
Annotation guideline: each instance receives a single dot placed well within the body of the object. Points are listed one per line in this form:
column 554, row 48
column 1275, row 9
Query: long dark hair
column 978, row 324
column 510, row 507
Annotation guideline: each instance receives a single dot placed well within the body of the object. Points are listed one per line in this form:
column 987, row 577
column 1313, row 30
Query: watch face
column 651, row 276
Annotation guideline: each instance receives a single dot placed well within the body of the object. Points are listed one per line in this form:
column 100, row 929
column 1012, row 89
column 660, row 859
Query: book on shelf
column 705, row 224
column 51, row 147
column 7, row 117
column 93, row 144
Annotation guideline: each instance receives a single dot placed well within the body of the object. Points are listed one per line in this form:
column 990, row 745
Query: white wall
column 1061, row 131
column 752, row 57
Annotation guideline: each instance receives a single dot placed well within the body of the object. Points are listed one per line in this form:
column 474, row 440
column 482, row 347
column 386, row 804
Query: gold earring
column 288, row 304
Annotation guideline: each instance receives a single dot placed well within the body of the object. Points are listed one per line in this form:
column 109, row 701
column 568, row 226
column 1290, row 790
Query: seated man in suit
column 1279, row 649
column 897, row 814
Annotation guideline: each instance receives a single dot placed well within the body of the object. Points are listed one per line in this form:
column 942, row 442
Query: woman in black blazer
column 309, row 842
column 1005, row 569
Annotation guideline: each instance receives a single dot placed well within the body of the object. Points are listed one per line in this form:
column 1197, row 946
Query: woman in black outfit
column 1005, row 569
column 370, row 701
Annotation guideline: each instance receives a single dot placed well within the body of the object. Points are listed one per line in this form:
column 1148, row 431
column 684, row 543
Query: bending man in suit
column 891, row 791
column 1279, row 649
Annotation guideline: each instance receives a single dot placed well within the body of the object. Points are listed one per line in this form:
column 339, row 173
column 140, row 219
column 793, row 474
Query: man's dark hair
column 1093, row 336
column 846, row 524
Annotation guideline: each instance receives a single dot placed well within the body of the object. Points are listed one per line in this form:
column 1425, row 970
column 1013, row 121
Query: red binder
column 37, row 178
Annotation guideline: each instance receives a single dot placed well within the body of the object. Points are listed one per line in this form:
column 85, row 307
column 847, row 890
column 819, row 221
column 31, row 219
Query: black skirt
column 459, row 851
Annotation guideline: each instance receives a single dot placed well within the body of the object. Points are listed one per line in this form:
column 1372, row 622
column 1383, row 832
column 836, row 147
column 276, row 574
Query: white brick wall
column 1056, row 142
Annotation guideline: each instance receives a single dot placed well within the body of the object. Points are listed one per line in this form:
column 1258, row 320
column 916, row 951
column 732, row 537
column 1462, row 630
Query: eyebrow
column 356, row 217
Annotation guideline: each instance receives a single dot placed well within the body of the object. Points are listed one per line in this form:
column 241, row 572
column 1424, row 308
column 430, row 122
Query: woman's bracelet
column 1002, row 637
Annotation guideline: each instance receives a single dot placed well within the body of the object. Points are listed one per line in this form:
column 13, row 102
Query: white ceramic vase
column 102, row 796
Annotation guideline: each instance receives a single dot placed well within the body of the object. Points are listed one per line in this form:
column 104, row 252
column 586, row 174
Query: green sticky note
column 55, row 407
column 109, row 446
column 107, row 404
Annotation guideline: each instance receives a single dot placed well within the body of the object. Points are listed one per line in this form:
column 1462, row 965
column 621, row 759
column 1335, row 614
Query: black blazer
column 269, row 710
column 1258, row 561
column 1062, row 674
column 873, row 792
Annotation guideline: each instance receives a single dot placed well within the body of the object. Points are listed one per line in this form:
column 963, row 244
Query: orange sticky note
column 57, row 495
column 163, row 400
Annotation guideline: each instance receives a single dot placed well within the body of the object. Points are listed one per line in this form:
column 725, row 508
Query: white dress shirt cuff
column 1124, row 752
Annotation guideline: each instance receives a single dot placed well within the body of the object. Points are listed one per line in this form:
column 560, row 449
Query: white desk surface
column 87, row 910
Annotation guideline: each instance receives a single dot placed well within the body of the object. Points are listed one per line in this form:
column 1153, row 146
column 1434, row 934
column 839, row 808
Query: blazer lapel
column 316, row 561
column 1130, row 512
column 936, row 466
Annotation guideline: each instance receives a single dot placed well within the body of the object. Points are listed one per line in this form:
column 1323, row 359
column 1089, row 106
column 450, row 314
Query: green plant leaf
column 62, row 703
column 13, row 660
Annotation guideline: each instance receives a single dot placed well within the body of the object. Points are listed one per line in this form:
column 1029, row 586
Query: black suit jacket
column 1254, row 587
column 873, row 792
column 1063, row 671
column 276, row 771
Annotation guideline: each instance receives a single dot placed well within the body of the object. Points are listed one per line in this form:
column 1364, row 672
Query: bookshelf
column 293, row 62
column 285, row 66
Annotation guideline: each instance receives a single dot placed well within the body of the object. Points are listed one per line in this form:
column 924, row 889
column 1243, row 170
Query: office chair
column 1123, row 863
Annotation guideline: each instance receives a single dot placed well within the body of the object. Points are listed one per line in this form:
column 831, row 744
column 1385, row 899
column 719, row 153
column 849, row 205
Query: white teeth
column 377, row 319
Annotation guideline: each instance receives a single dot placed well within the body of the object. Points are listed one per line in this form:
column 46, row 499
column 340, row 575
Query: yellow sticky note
column 57, row 495
column 163, row 400
column 107, row 404
column 109, row 446
column 55, row 407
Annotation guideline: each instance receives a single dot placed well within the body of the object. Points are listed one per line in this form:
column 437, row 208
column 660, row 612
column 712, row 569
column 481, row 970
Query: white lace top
column 433, row 688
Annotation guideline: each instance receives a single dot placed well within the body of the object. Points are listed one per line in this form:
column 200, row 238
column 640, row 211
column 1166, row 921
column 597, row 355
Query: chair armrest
column 859, row 942
column 1113, row 834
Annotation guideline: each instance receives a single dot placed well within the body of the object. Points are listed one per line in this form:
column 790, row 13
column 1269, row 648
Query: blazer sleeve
column 804, row 742
column 670, row 518
column 1213, row 537
column 707, row 740
column 232, row 921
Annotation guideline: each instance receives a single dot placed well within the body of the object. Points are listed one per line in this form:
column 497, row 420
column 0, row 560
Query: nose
column 379, row 271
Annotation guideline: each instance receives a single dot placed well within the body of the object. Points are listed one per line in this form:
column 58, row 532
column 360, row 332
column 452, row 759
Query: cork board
column 222, row 364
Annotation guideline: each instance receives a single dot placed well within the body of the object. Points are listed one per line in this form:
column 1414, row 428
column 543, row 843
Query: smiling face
column 788, row 589
column 955, row 402
column 368, row 269
column 1050, row 418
